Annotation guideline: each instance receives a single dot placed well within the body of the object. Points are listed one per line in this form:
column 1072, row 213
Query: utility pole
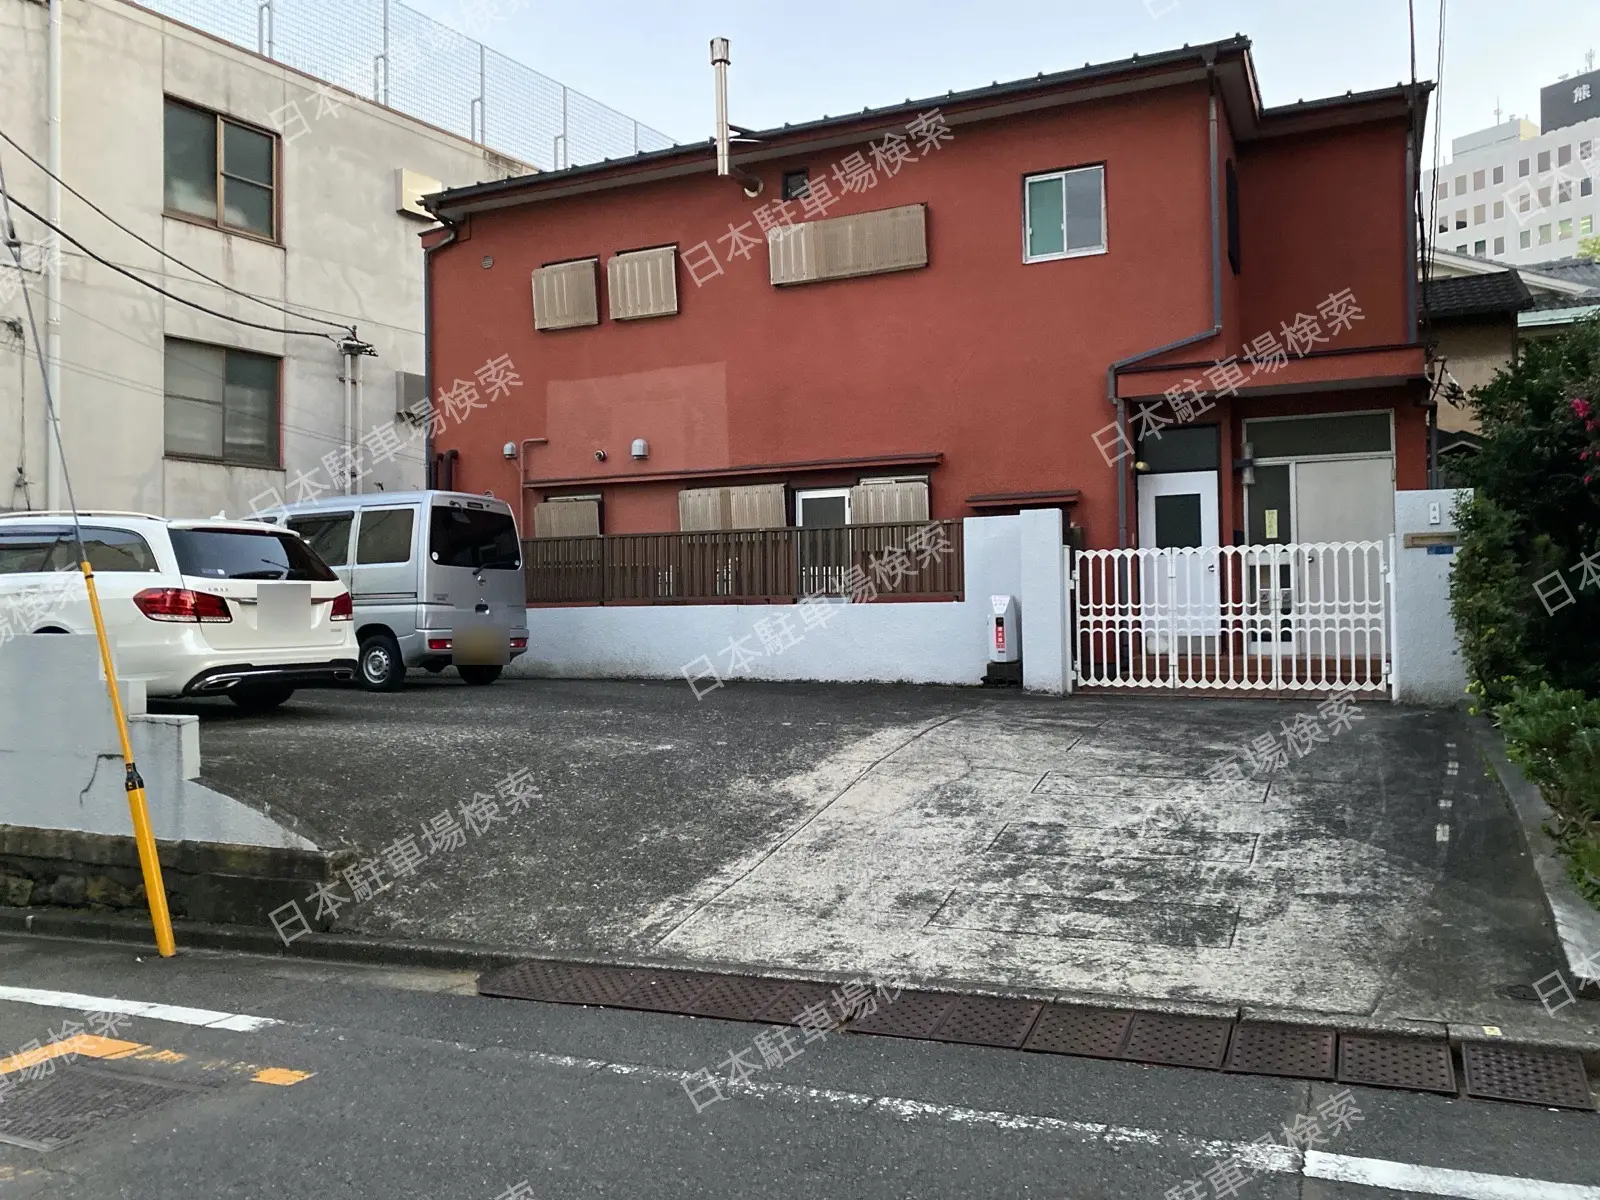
column 54, row 487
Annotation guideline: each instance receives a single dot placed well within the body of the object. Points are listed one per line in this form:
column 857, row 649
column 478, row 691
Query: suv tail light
column 344, row 608
column 180, row 604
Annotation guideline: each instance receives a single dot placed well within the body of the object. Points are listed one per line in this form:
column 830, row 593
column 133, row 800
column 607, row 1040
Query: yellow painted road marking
column 85, row 1044
column 280, row 1076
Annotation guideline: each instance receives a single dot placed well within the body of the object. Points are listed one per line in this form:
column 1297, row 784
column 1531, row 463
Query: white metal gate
column 1309, row 617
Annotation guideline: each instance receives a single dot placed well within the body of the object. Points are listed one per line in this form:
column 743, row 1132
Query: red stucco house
column 1129, row 290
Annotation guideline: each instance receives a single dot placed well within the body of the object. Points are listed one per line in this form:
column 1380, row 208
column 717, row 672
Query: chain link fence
column 399, row 57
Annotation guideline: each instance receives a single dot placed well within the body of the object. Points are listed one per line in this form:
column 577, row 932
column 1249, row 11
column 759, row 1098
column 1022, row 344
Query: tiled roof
column 1476, row 295
column 1573, row 270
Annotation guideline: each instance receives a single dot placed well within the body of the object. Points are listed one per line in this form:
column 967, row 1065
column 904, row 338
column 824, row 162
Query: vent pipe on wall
column 719, row 67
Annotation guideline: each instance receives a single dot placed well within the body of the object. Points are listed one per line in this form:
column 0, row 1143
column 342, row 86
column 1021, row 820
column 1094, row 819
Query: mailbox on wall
column 1005, row 637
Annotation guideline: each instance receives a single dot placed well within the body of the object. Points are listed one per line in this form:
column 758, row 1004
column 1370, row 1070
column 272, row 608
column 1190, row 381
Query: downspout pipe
column 54, row 476
column 1203, row 335
column 451, row 234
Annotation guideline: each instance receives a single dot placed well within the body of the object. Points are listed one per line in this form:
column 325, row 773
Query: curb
column 357, row 950
column 1575, row 920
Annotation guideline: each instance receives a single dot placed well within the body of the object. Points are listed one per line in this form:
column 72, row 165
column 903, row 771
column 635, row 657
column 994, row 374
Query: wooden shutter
column 701, row 509
column 643, row 283
column 870, row 243
column 565, row 295
column 881, row 503
column 757, row 506
column 566, row 518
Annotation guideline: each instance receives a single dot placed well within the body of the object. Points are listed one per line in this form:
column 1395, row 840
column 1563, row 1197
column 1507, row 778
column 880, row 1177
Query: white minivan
column 436, row 578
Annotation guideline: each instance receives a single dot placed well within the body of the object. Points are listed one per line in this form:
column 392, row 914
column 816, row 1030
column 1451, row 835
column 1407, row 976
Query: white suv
column 193, row 608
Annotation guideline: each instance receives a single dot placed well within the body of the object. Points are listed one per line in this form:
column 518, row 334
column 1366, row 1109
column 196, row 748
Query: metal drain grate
column 735, row 998
column 985, row 1021
column 1550, row 1077
column 46, row 1113
column 910, row 1014
column 666, row 991
column 559, row 983
column 1090, row 1032
column 1294, row 1050
column 794, row 1000
column 1178, row 1041
column 1420, row 1064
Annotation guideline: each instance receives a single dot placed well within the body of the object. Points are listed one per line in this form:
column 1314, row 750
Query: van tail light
column 519, row 643
column 344, row 608
column 180, row 604
column 438, row 643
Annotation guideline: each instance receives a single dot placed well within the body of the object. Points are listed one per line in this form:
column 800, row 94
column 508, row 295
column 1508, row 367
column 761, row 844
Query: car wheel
column 262, row 698
column 478, row 676
column 382, row 668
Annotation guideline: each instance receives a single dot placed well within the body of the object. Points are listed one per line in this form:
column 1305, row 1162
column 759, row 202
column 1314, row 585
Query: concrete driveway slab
column 932, row 834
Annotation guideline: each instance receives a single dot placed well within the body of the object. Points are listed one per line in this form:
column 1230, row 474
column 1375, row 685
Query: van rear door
column 474, row 566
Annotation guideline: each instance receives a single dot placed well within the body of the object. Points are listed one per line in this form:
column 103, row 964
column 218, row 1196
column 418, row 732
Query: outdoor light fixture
column 641, row 448
column 509, row 451
column 599, row 456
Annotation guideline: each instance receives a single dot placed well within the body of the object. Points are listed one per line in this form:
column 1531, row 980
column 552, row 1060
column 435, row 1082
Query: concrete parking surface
column 934, row 834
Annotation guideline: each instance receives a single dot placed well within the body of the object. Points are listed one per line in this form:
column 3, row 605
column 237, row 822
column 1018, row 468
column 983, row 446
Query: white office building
column 274, row 210
column 1518, row 192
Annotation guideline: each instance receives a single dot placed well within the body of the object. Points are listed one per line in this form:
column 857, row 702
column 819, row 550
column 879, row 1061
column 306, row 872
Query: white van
column 436, row 579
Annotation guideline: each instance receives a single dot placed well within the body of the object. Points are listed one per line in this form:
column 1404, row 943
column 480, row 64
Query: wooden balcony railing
column 921, row 560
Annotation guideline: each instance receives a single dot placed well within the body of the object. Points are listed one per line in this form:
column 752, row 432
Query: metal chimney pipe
column 719, row 66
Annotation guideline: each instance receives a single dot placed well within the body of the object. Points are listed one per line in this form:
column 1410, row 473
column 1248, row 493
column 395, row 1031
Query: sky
column 794, row 62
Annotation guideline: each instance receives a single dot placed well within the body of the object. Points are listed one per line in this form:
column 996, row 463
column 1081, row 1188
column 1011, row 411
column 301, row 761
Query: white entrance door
column 823, row 515
column 1339, row 596
column 1181, row 589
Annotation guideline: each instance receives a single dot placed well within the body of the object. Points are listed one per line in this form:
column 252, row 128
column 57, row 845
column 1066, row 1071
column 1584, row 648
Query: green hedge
column 1554, row 736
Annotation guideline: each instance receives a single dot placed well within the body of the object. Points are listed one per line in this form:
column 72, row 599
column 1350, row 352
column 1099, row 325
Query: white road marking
column 203, row 1017
column 1439, row 1181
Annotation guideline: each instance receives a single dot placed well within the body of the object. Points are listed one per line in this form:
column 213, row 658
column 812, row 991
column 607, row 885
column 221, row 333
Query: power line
column 146, row 242
column 316, row 333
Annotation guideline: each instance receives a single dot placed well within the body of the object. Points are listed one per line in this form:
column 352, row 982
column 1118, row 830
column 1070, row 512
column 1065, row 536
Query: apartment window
column 1524, row 202
column 220, row 171
column 1499, row 174
column 796, row 184
column 1563, row 156
column 1585, row 225
column 1564, row 228
column 1480, row 248
column 1461, row 249
column 1522, row 168
column 1461, row 218
column 1544, row 161
column 1544, row 235
column 1586, row 187
column 1065, row 214
column 1443, row 191
column 1525, row 239
column 1585, row 149
column 221, row 404
column 1444, row 224
column 1477, row 181
column 1479, row 214
column 1563, row 193
column 1499, row 209
column 1499, row 245
column 1544, row 197
column 1461, row 185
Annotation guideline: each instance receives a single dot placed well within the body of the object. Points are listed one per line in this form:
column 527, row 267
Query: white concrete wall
column 346, row 255
column 61, row 760
column 932, row 642
column 1426, row 653
column 1046, row 647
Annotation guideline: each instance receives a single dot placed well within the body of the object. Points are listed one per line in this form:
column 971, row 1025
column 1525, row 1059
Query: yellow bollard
column 155, row 891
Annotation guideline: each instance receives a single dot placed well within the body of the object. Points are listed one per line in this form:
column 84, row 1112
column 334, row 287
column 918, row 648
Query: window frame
column 276, row 423
column 219, row 122
column 1061, row 173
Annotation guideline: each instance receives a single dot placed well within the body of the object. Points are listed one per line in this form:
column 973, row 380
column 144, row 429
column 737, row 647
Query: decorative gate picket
column 1309, row 617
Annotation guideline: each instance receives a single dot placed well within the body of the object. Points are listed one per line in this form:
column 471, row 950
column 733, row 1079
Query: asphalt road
column 419, row 1088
